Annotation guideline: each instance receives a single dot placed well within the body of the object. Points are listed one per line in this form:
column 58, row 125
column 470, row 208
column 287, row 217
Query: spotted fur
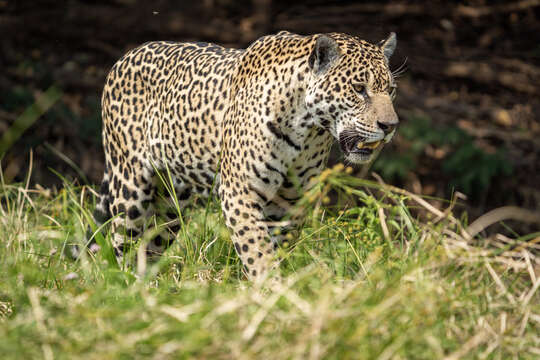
column 249, row 123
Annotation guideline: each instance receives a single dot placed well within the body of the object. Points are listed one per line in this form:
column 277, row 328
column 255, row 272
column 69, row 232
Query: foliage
column 348, row 289
column 469, row 168
column 32, row 113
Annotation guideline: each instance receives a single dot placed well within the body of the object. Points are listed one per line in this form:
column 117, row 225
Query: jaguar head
column 350, row 93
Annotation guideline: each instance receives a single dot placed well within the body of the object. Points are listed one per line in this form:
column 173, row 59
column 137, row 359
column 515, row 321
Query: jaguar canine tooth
column 373, row 145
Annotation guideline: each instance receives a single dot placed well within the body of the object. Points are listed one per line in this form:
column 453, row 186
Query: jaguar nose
column 386, row 127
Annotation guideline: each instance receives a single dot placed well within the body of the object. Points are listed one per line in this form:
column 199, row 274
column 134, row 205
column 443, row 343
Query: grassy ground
column 362, row 282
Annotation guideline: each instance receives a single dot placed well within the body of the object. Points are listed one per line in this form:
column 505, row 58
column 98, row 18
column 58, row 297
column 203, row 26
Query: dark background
column 468, row 102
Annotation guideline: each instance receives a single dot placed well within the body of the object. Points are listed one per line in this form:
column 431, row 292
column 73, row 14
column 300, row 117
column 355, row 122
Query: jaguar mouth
column 361, row 146
column 357, row 149
column 358, row 145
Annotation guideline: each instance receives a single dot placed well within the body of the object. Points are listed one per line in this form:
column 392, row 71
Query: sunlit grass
column 392, row 278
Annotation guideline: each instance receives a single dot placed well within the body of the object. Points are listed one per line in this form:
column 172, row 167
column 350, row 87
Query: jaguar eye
column 360, row 89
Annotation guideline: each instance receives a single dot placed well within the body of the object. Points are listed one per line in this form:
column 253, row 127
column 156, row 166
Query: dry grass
column 374, row 281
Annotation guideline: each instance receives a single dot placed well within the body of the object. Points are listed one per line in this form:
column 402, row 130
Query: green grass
column 348, row 290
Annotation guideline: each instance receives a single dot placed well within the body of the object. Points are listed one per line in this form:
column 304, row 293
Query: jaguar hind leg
column 167, row 205
column 130, row 204
column 140, row 206
column 100, row 216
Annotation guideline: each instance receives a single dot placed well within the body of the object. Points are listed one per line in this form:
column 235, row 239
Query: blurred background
column 468, row 100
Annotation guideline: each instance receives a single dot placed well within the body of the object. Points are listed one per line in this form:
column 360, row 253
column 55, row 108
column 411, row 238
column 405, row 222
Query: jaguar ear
column 388, row 45
column 324, row 54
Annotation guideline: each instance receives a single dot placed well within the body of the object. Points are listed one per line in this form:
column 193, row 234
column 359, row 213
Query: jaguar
column 250, row 126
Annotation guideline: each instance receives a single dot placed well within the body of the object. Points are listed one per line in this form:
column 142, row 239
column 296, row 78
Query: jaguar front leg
column 244, row 216
column 283, row 216
column 247, row 186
